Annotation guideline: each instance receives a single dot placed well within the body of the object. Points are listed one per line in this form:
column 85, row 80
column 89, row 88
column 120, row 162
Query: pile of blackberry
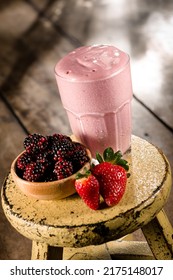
column 50, row 158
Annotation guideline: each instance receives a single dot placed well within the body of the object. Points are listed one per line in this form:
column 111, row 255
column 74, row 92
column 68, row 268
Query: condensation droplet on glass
column 94, row 60
column 116, row 53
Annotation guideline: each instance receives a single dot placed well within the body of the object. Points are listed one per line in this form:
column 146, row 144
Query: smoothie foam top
column 91, row 63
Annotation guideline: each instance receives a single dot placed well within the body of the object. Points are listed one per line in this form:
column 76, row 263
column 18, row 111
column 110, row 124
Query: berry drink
column 96, row 91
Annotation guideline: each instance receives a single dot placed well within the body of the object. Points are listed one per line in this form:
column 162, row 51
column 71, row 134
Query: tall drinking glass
column 95, row 87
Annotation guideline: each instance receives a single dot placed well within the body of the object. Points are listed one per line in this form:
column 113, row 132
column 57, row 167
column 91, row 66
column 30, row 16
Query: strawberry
column 112, row 176
column 112, row 180
column 87, row 186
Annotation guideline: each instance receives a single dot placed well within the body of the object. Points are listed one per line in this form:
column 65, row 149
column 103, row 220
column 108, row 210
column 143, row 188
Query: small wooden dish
column 48, row 190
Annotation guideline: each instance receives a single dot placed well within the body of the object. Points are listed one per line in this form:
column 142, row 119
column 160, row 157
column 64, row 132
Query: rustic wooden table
column 34, row 35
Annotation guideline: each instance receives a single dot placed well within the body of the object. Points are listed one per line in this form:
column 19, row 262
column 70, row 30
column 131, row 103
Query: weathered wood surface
column 35, row 34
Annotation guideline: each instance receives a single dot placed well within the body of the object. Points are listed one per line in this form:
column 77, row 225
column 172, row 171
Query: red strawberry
column 88, row 189
column 112, row 179
column 111, row 174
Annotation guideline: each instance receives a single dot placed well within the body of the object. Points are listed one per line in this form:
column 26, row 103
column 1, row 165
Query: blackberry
column 63, row 169
column 55, row 138
column 45, row 157
column 23, row 160
column 60, row 137
column 62, row 149
column 79, row 157
column 34, row 172
column 35, row 143
column 50, row 158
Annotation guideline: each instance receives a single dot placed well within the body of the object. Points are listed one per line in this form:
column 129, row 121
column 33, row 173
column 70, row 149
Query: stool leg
column 159, row 235
column 42, row 251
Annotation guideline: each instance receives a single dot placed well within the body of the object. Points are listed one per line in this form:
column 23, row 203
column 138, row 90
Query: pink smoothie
column 96, row 91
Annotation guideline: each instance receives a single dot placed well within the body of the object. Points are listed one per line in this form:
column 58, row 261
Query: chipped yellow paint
column 159, row 234
column 39, row 251
column 42, row 251
column 70, row 223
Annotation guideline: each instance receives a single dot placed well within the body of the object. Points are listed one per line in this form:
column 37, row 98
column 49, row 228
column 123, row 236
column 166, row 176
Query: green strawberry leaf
column 108, row 154
column 92, row 165
column 117, row 156
column 123, row 163
column 113, row 157
column 99, row 157
column 86, row 174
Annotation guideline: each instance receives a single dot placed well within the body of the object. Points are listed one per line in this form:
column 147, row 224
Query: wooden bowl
column 48, row 190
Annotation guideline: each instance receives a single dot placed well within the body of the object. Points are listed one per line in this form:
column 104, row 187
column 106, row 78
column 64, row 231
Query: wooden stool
column 52, row 225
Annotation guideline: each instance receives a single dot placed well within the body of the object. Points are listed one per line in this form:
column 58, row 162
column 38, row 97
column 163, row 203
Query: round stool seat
column 70, row 223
